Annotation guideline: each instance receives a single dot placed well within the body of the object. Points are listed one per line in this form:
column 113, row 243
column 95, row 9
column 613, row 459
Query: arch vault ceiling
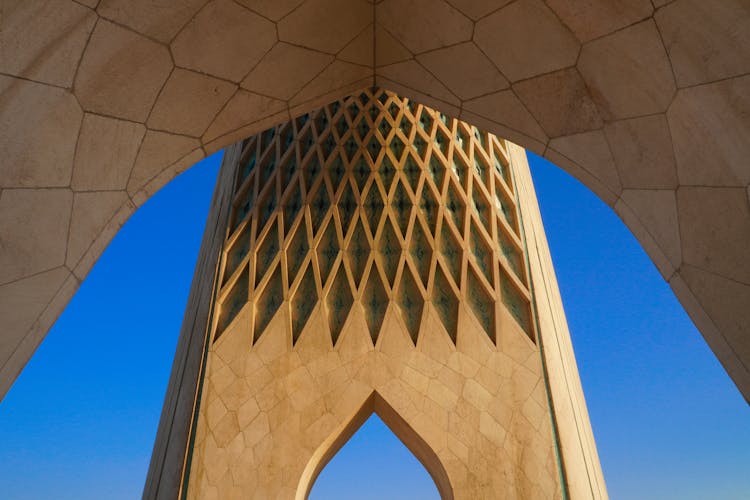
column 646, row 102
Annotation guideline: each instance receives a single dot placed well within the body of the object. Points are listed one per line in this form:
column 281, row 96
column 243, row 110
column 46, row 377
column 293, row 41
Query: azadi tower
column 647, row 102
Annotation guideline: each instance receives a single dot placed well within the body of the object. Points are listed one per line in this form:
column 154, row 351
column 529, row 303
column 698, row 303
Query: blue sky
column 80, row 420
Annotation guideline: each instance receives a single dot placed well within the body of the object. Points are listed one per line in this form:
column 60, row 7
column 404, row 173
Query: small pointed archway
column 375, row 404
column 374, row 464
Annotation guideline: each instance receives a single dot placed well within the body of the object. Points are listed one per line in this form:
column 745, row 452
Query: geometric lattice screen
column 374, row 201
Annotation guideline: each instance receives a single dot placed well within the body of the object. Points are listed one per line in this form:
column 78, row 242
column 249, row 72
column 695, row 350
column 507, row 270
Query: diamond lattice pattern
column 380, row 201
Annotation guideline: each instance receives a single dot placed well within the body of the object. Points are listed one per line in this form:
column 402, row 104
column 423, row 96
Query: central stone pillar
column 374, row 261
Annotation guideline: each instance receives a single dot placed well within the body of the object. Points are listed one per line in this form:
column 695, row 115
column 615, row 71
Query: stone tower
column 375, row 255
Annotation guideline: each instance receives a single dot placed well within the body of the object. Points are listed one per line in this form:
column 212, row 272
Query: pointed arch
column 376, row 404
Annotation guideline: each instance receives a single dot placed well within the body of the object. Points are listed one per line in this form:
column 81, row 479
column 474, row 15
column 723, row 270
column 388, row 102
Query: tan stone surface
column 189, row 102
column 712, row 239
column 31, row 339
column 33, row 229
column 36, row 151
column 223, row 40
column 589, row 20
column 725, row 301
column 360, row 50
column 628, row 73
column 652, row 216
column 353, row 87
column 642, row 150
column 309, row 25
column 413, row 75
column 422, row 25
column 504, row 107
column 560, row 102
column 476, row 9
column 388, row 50
column 160, row 20
column 464, row 70
column 272, row 9
column 102, row 238
column 709, row 126
column 244, row 108
column 285, row 70
column 719, row 343
column 590, row 152
column 297, row 431
column 525, row 39
column 22, row 301
column 121, row 73
column 336, row 76
column 706, row 41
column 584, row 475
column 158, row 151
column 90, row 214
column 105, row 153
column 43, row 41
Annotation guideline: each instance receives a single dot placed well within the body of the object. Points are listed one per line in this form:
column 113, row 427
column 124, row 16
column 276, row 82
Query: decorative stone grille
column 374, row 201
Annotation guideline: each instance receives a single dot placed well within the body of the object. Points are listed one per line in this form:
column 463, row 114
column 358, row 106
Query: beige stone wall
column 268, row 408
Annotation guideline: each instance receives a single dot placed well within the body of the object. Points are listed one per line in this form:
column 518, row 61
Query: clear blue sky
column 79, row 422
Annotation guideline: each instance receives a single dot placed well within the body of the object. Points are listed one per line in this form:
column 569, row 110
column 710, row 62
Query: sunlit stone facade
column 374, row 259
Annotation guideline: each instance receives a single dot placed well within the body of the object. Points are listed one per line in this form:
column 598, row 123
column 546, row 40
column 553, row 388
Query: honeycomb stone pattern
column 342, row 207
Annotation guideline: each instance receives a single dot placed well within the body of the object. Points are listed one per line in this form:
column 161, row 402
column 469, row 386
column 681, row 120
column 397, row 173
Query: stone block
column 715, row 229
column 158, row 20
column 642, row 150
column 158, row 151
column 92, row 212
column 37, row 150
column 21, row 303
column 388, row 49
column 706, row 41
column 229, row 52
column 656, row 225
column 33, row 229
column 105, row 153
column 285, row 70
column 422, row 25
column 526, row 39
column 560, row 102
column 189, row 102
column 121, row 73
column 590, row 151
column 710, row 128
column 43, row 41
column 589, row 20
column 628, row 72
column 464, row 70
column 325, row 25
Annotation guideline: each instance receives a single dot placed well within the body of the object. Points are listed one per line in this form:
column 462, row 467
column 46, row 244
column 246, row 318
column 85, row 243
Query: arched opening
column 374, row 464
column 376, row 405
column 551, row 91
column 726, row 459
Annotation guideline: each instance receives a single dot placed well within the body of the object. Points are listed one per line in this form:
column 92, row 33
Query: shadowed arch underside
column 645, row 102
column 375, row 404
